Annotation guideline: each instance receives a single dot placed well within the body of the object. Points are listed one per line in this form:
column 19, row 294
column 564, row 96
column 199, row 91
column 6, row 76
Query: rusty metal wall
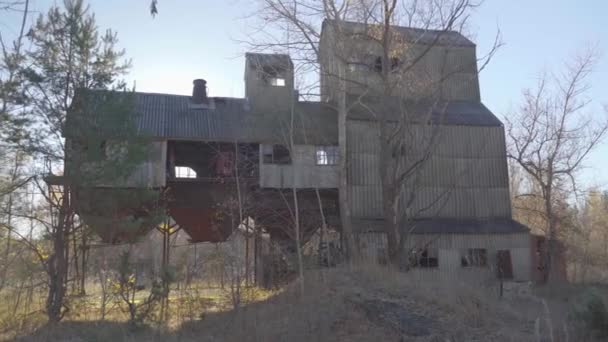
column 466, row 176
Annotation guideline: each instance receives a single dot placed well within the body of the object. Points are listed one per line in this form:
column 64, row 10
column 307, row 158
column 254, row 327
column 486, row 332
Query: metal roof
column 231, row 119
column 449, row 226
column 410, row 34
column 269, row 59
column 166, row 116
column 457, row 112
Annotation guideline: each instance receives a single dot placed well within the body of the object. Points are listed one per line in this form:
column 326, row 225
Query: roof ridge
column 404, row 27
column 153, row 93
column 464, row 41
column 267, row 54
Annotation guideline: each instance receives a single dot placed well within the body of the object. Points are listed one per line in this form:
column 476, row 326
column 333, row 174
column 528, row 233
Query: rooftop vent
column 199, row 92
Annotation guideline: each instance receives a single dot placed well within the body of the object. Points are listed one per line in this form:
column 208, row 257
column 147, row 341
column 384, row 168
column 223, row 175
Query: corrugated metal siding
column 460, row 86
column 307, row 173
column 446, row 225
column 458, row 60
column 372, row 246
column 466, row 177
column 451, row 247
column 449, row 67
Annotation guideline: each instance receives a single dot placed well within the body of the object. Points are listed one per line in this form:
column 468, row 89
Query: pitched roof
column 410, row 34
column 449, row 226
column 166, row 116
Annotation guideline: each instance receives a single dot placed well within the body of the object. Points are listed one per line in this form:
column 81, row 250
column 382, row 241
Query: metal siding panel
column 307, row 173
column 365, row 201
column 450, row 248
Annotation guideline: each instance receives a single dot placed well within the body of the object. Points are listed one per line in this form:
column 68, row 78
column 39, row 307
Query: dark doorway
column 503, row 262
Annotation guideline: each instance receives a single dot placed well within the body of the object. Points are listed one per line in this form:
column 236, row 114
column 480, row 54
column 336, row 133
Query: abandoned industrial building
column 208, row 153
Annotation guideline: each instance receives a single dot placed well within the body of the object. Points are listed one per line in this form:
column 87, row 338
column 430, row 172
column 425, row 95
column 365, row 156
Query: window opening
column 395, row 63
column 273, row 76
column 224, row 164
column 427, row 258
column 184, row 172
column 474, row 257
column 327, row 155
column 505, row 268
column 276, row 154
column 378, row 64
column 103, row 147
column 277, row 82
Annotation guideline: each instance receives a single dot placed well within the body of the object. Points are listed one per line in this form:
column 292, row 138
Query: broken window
column 357, row 66
column 276, row 154
column 327, row 155
column 503, row 261
column 273, row 76
column 426, row 258
column 395, row 63
column 277, row 82
column 474, row 257
column 184, row 172
column 224, row 164
column 378, row 64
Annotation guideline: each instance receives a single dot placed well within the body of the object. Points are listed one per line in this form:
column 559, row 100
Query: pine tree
column 74, row 72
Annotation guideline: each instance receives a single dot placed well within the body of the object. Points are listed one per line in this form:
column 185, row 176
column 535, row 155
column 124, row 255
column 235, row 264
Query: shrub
column 125, row 287
column 592, row 313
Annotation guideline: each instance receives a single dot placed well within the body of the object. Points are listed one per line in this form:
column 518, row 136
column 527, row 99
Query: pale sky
column 197, row 39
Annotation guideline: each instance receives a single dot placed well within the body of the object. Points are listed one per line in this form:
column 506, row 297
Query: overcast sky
column 196, row 39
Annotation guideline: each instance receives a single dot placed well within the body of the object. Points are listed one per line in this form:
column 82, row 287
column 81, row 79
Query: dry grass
column 368, row 303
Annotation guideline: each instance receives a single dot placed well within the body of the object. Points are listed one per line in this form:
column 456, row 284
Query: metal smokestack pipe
column 199, row 91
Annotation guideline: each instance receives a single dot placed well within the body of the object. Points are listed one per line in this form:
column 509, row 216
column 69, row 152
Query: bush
column 592, row 313
column 125, row 287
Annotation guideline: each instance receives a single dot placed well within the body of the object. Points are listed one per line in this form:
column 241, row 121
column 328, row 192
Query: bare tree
column 551, row 136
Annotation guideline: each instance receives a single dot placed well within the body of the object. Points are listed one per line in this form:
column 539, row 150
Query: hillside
column 363, row 305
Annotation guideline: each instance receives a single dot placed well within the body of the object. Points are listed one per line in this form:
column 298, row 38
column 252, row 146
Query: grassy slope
column 340, row 305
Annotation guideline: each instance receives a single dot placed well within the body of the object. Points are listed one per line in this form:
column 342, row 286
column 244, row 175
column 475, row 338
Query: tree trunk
column 58, row 264
column 352, row 252
column 75, row 257
column 294, row 193
column 83, row 276
column 548, row 251
column 7, row 251
column 390, row 224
